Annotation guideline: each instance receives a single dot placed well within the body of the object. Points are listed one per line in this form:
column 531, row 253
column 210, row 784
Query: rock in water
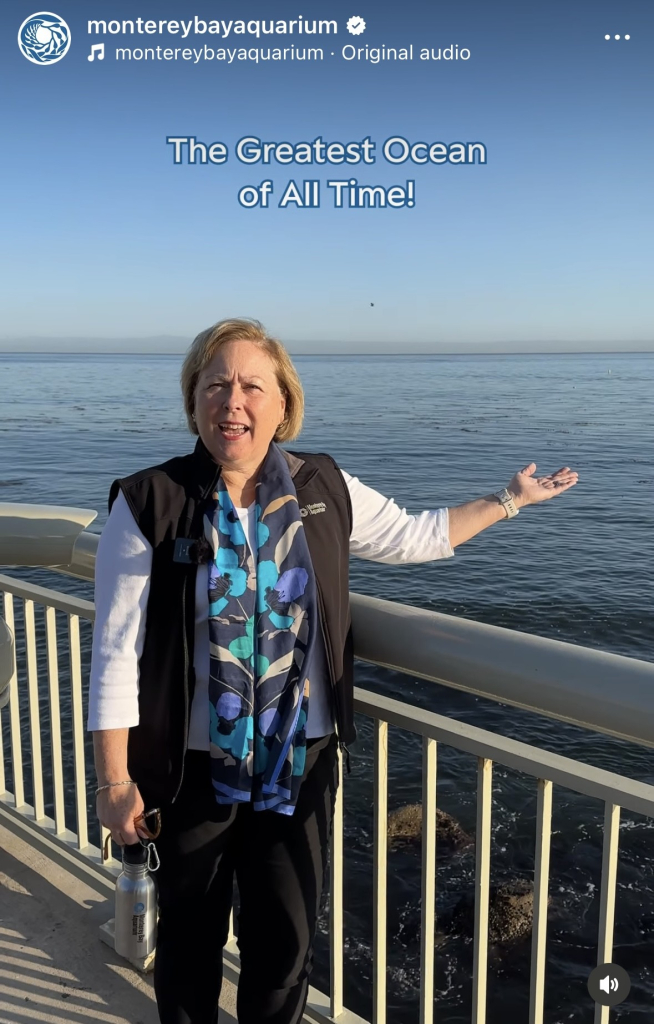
column 405, row 828
column 510, row 913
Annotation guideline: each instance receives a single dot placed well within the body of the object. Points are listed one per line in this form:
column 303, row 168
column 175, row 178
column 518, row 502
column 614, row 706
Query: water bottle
column 135, row 925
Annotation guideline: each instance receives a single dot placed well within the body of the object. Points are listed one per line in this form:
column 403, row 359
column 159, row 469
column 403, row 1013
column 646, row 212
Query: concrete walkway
column 53, row 966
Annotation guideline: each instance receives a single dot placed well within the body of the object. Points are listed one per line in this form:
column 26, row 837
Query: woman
column 221, row 681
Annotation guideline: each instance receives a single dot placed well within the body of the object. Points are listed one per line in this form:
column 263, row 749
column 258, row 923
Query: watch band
column 507, row 501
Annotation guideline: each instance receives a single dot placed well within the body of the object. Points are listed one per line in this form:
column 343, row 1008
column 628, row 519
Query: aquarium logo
column 44, row 38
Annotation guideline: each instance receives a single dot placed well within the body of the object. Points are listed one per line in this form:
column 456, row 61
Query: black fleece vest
column 168, row 502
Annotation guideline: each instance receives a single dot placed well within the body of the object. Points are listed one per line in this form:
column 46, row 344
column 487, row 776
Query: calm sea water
column 434, row 431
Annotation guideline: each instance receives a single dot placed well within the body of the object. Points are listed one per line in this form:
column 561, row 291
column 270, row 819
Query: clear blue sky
column 551, row 241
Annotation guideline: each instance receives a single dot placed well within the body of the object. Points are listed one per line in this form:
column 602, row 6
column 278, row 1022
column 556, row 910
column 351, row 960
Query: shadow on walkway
column 53, row 966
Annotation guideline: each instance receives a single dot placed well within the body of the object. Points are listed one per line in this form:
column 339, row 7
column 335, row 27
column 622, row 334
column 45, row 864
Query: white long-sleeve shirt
column 381, row 532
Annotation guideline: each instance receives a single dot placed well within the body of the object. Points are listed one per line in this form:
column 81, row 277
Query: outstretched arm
column 468, row 520
column 384, row 532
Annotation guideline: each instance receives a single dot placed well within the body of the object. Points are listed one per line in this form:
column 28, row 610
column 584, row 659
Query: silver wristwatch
column 507, row 500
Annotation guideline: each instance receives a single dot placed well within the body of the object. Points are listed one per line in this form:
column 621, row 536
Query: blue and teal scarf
column 262, row 626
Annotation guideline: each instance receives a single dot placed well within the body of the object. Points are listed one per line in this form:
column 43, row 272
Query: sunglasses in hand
column 149, row 822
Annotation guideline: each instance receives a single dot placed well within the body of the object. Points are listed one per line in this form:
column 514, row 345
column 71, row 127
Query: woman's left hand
column 529, row 489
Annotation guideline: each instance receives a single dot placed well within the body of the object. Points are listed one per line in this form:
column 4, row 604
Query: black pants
column 279, row 863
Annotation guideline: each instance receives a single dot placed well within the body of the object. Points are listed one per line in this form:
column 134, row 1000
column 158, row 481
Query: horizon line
column 382, row 352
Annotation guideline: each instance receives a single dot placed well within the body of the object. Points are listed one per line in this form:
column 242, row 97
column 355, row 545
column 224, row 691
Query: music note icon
column 96, row 48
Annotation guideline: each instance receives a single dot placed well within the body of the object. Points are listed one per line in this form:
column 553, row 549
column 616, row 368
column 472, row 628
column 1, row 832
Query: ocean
column 433, row 431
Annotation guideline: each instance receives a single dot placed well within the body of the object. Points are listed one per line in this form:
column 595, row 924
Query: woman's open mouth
column 232, row 431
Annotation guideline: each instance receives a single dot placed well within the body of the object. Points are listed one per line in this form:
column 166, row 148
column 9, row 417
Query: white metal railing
column 546, row 769
column 604, row 692
column 54, row 826
column 566, row 665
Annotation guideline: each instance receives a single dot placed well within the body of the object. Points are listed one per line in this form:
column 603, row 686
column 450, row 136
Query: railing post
column 607, row 895
column 55, row 720
column 78, row 731
column 380, row 855
column 34, row 711
column 14, row 713
column 428, row 900
column 541, row 885
column 3, row 780
column 336, row 901
column 482, row 887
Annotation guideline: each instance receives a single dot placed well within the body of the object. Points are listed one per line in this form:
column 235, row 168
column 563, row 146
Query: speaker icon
column 609, row 984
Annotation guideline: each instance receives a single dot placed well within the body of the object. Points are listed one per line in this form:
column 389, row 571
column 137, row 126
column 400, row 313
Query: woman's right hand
column 116, row 809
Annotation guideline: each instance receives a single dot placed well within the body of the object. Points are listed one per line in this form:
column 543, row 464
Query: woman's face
column 238, row 405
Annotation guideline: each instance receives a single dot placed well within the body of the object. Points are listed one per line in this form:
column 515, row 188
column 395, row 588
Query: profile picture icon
column 44, row 38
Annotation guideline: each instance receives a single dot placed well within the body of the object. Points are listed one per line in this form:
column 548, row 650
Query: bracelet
column 110, row 785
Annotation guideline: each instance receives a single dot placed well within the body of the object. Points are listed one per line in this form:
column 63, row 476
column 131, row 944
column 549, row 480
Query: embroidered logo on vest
column 313, row 509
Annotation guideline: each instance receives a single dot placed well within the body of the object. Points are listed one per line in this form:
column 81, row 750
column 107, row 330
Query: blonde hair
column 210, row 341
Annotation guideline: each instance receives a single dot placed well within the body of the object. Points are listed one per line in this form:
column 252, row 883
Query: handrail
column 70, row 604
column 608, row 693
column 604, row 692
column 47, row 535
column 82, row 562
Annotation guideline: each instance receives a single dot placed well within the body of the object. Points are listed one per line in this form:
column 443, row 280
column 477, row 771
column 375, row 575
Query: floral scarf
column 262, row 626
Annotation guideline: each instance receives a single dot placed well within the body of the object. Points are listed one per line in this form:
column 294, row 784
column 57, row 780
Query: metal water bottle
column 135, row 925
